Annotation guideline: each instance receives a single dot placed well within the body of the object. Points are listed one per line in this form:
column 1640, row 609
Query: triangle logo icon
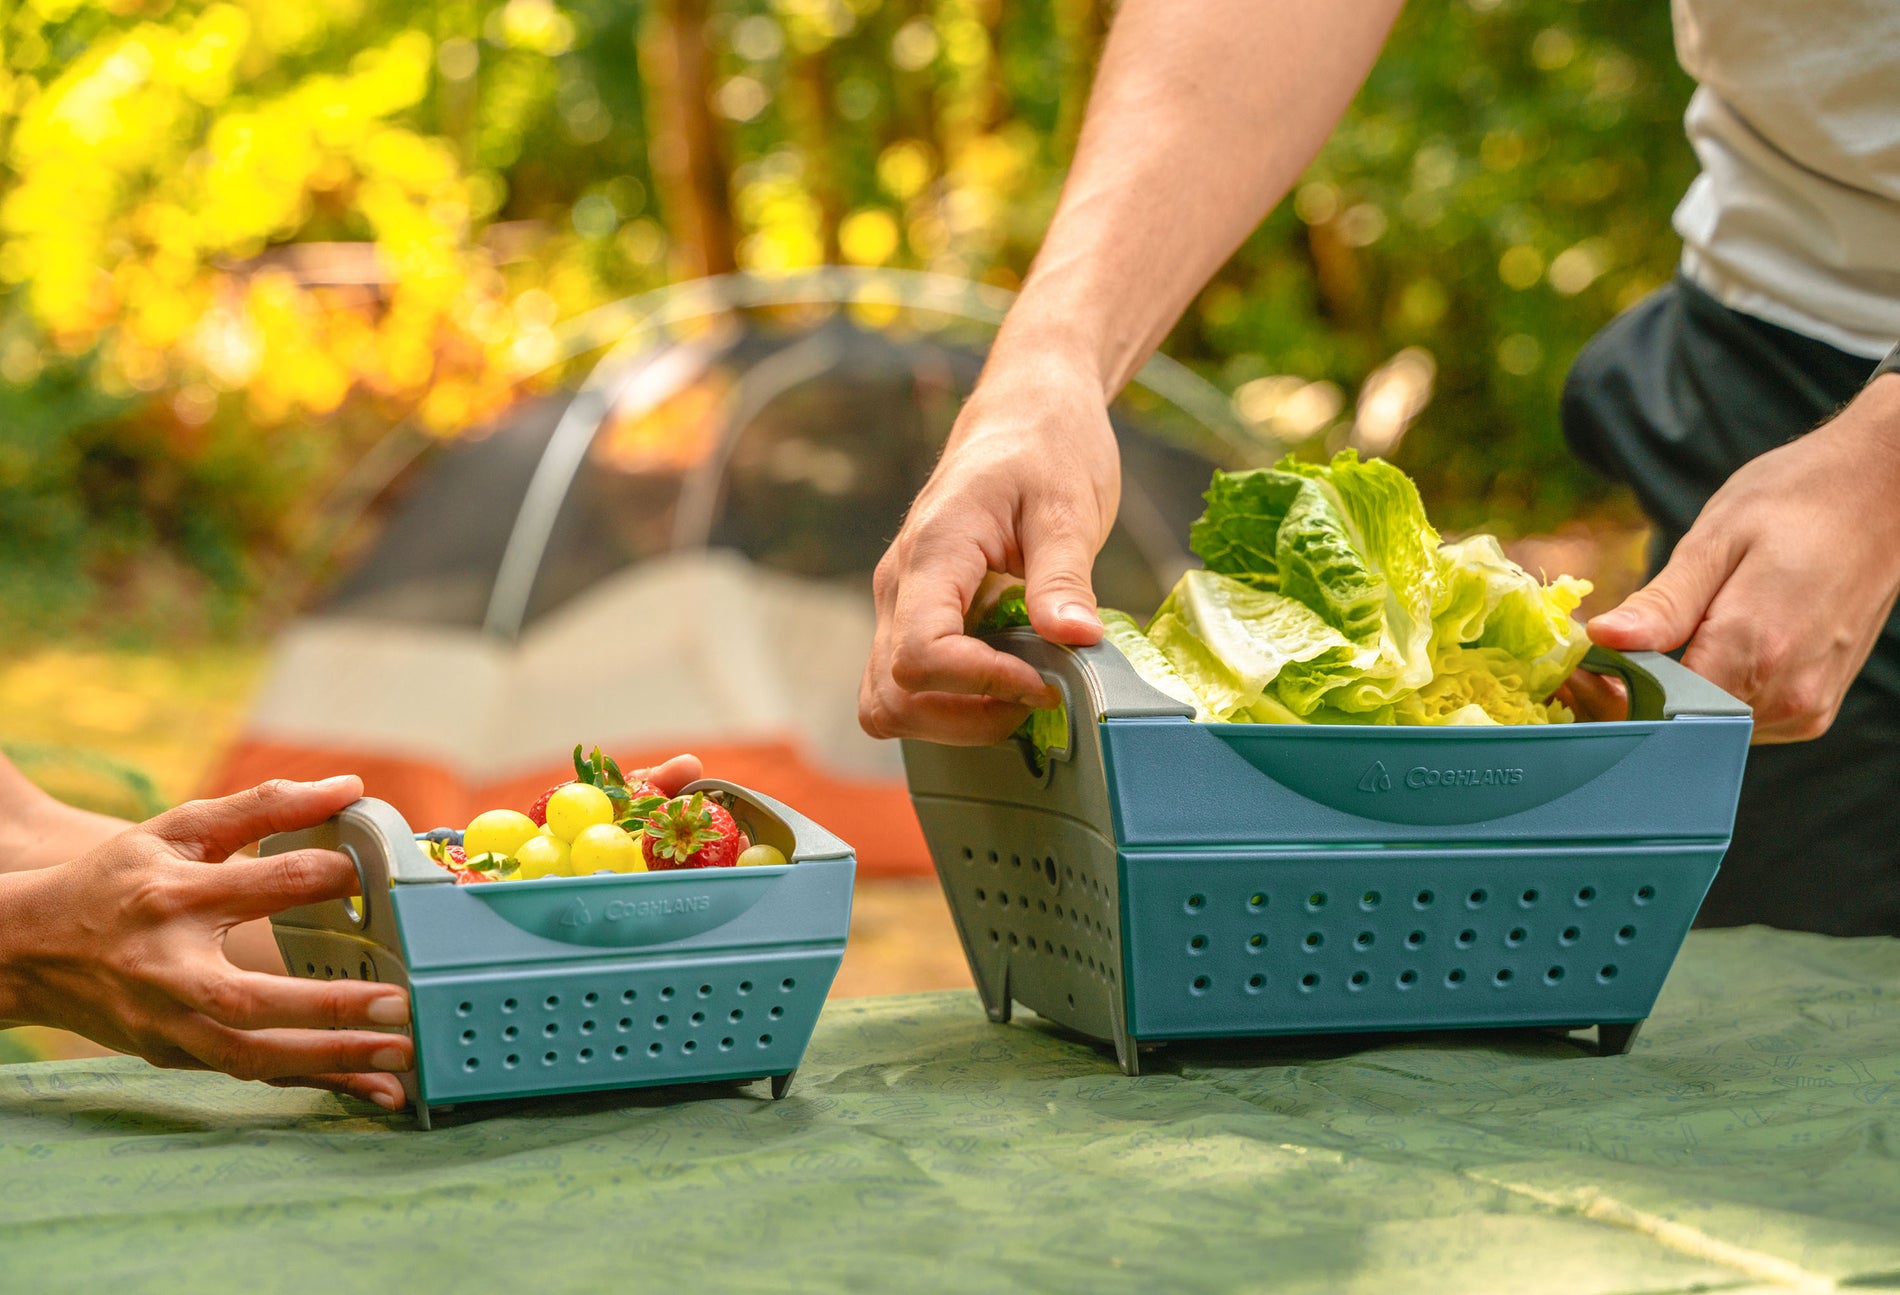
column 577, row 914
column 1375, row 778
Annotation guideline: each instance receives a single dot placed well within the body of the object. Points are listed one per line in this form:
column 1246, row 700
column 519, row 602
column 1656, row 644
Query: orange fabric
column 874, row 816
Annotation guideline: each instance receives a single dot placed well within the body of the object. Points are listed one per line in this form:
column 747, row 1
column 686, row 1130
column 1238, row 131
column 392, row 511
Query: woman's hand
column 1784, row 582
column 126, row 945
column 1027, row 485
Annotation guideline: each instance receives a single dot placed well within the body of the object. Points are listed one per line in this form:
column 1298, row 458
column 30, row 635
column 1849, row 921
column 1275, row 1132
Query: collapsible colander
column 1163, row 879
column 562, row 985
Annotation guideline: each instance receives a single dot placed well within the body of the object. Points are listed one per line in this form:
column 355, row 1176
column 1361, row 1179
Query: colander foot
column 781, row 1084
column 1614, row 1040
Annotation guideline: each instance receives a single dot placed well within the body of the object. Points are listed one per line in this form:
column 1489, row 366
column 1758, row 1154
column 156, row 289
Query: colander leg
column 1615, row 1040
column 781, row 1084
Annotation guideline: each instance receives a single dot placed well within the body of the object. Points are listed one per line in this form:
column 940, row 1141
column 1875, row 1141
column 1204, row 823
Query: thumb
column 1061, row 601
column 1662, row 615
column 211, row 830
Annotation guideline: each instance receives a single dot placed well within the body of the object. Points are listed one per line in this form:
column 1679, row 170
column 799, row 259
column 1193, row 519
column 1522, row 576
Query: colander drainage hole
column 745, row 986
column 1369, row 900
column 1625, row 935
column 464, row 1009
column 624, row 1024
column 968, row 853
column 510, row 1033
column 468, row 1036
column 689, row 1045
column 1467, row 938
column 587, row 1054
column 508, row 1004
column 1256, row 902
column 659, row 1022
column 735, row 1016
column 1645, row 894
column 1587, row 894
column 765, row 1040
column 705, row 991
column 1309, row 981
column 587, row 1027
column 511, row 1060
column 1254, row 983
column 982, row 896
column 1476, row 898
column 776, row 1013
column 550, row 1058
column 1455, row 977
column 1570, row 936
column 1423, row 899
column 666, row 992
column 551, row 1029
column 620, row 1052
column 1196, row 902
column 699, row 1018
column 1516, row 937
column 1363, row 940
column 471, row 1063
column 1359, row 979
column 1528, row 898
column 1015, row 860
column 554, row 1001
column 1314, row 939
column 1256, row 942
column 1608, row 973
column 1200, row 985
column 1503, row 977
column 996, row 936
column 1407, row 979
column 627, row 996
column 589, row 999
column 653, row 1049
column 1316, row 900
column 1554, row 975
column 725, row 1045
column 787, row 985
column 1198, row 943
column 1415, row 939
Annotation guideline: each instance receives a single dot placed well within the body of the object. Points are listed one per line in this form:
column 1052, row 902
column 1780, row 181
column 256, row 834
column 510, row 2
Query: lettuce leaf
column 1329, row 598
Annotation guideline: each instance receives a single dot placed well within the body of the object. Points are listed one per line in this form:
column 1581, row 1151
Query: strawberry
column 469, row 877
column 457, row 858
column 539, row 810
column 689, row 832
column 596, row 770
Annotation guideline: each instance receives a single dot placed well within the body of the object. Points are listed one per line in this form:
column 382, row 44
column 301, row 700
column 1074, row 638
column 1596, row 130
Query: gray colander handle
column 379, row 841
column 785, row 829
column 1098, row 675
column 1661, row 687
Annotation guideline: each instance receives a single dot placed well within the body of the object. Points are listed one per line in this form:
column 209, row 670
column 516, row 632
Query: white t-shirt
column 1795, row 218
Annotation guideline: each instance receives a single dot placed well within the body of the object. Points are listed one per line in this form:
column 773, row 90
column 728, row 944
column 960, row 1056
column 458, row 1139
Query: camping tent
column 675, row 554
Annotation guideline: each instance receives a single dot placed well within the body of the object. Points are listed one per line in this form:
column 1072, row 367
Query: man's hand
column 1028, row 486
column 1784, row 582
column 125, row 945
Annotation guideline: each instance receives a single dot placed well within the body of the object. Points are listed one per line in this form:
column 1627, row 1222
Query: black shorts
column 1670, row 398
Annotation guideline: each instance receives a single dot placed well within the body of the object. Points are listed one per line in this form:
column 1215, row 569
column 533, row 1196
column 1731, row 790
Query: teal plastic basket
column 1160, row 879
column 564, row 985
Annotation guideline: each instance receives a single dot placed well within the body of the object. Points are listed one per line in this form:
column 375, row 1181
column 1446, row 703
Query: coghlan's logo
column 1422, row 778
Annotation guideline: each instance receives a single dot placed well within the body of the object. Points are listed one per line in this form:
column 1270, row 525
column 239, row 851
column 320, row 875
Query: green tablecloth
column 1751, row 1141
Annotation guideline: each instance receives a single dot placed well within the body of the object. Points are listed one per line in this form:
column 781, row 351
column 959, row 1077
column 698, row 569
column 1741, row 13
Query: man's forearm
column 1201, row 118
column 37, row 831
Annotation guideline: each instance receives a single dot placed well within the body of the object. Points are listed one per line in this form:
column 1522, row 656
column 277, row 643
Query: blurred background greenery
column 243, row 240
column 240, row 240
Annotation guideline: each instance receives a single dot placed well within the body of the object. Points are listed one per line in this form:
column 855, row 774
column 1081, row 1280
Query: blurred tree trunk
column 691, row 170
column 1084, row 26
column 815, row 93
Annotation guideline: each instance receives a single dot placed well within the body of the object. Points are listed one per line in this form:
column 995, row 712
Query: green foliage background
column 1501, row 187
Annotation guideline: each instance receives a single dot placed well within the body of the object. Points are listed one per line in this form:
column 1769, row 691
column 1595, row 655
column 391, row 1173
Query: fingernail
column 388, row 1101
column 1078, row 612
column 1616, row 620
column 390, row 1059
column 390, row 1009
column 331, row 783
